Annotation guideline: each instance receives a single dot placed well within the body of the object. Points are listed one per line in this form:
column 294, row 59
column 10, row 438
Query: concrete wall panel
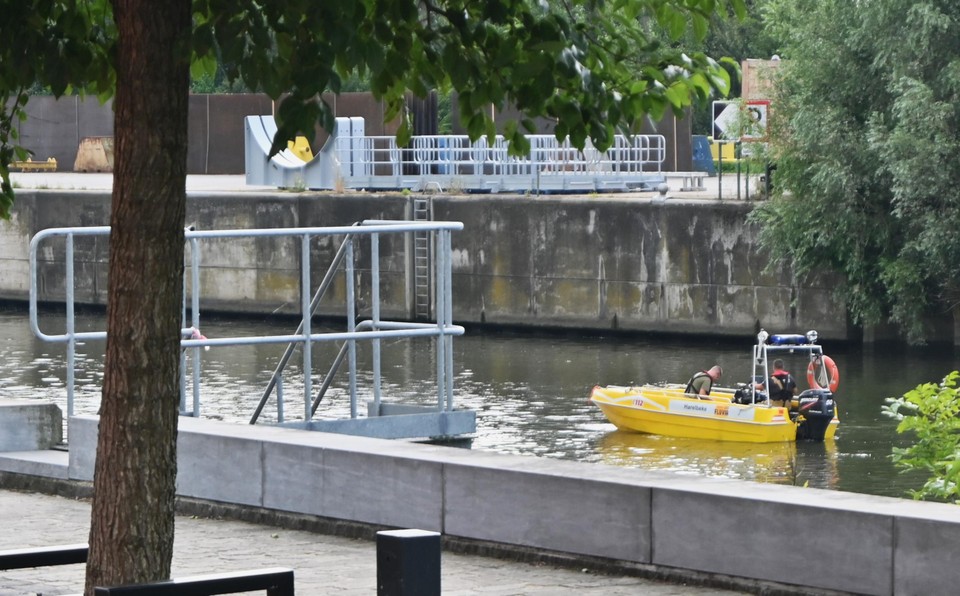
column 775, row 303
column 220, row 468
column 293, row 478
column 379, row 489
column 83, row 446
column 926, row 554
column 568, row 514
column 801, row 544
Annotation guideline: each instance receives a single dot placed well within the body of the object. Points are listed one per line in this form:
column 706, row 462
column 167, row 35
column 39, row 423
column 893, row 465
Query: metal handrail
column 373, row 330
column 314, row 303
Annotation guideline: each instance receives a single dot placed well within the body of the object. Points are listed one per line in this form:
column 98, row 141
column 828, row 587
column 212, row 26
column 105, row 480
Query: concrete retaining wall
column 807, row 537
column 591, row 262
column 29, row 425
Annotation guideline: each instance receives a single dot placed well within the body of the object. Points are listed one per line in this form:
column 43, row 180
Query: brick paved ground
column 322, row 564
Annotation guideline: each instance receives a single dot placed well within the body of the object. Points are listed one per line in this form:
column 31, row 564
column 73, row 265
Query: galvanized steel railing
column 350, row 159
column 372, row 330
column 377, row 162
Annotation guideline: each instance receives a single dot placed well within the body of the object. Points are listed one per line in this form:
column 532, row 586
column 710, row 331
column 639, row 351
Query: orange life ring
column 832, row 373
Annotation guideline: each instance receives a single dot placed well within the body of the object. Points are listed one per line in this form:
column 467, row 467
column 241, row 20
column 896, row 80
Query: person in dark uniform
column 702, row 382
column 782, row 385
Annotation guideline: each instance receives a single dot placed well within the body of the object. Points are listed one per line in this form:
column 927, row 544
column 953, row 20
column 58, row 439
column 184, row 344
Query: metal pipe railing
column 314, row 303
column 374, row 330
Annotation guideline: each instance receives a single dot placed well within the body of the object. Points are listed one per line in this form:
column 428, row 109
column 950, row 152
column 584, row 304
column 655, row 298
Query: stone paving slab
column 322, row 564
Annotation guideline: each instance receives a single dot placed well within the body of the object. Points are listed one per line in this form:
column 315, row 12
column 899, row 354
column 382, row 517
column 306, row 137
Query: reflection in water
column 530, row 394
column 801, row 464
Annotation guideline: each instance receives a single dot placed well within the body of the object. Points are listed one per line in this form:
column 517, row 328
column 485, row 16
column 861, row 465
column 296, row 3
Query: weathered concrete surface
column 611, row 262
column 818, row 539
column 29, row 425
column 622, row 262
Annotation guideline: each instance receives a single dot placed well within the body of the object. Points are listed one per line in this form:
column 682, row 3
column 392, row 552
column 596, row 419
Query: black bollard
column 408, row 563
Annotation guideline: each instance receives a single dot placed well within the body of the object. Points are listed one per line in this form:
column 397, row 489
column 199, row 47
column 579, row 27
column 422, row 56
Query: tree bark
column 132, row 521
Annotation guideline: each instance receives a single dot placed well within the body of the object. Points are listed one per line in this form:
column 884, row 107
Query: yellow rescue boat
column 732, row 414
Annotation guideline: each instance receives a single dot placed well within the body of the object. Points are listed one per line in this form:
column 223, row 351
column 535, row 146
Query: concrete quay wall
column 601, row 262
column 816, row 539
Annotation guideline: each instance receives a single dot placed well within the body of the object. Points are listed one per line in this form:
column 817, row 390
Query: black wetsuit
column 781, row 386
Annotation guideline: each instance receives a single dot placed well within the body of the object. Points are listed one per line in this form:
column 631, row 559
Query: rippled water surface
column 530, row 394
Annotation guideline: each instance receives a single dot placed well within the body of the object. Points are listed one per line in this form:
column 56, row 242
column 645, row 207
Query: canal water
column 530, row 393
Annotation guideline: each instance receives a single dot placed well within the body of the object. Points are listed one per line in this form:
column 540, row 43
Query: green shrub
column 930, row 412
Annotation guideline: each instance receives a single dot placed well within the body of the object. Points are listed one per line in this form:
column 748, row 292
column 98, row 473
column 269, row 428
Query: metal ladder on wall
column 422, row 211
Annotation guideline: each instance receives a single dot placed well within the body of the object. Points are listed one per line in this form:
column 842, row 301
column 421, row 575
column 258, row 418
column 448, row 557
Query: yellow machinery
column 35, row 166
column 728, row 148
column 301, row 148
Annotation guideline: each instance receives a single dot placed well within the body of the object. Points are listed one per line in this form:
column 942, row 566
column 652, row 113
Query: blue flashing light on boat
column 788, row 339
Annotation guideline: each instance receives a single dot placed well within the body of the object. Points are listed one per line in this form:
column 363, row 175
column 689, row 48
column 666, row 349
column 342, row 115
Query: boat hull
column 668, row 411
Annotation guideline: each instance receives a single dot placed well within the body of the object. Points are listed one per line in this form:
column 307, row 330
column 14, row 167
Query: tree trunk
column 132, row 524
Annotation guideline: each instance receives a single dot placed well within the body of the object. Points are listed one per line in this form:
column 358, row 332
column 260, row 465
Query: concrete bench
column 690, row 181
column 48, row 556
column 276, row 581
column 693, row 182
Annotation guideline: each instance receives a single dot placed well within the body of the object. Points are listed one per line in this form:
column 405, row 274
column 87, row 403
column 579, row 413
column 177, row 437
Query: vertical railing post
column 440, row 291
column 720, row 170
column 280, row 401
column 195, row 319
column 351, row 327
column 71, row 326
column 375, row 316
column 738, row 153
column 306, row 315
column 183, row 351
column 448, row 315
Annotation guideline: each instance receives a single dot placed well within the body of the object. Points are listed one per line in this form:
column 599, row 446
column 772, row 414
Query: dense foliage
column 931, row 413
column 866, row 134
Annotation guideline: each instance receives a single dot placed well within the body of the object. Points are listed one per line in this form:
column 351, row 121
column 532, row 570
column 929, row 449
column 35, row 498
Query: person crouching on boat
column 782, row 386
column 702, row 382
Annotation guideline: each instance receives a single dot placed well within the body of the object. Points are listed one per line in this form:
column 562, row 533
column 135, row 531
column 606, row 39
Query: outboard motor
column 815, row 410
